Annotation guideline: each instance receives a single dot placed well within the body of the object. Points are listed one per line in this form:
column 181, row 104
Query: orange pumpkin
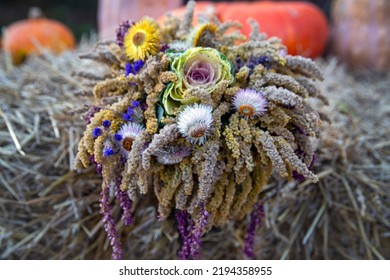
column 30, row 36
column 302, row 26
column 361, row 33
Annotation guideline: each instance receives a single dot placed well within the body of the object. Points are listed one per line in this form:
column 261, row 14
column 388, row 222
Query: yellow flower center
column 246, row 110
column 139, row 38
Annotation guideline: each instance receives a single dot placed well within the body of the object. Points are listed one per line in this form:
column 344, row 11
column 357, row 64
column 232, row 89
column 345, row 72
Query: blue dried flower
column 127, row 117
column 108, row 152
column 106, row 123
column 97, row 131
column 118, row 137
column 138, row 65
column 135, row 104
column 130, row 111
column 133, row 68
column 128, row 69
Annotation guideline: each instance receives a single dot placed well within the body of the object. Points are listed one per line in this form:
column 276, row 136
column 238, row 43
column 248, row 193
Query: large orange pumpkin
column 361, row 33
column 302, row 26
column 29, row 36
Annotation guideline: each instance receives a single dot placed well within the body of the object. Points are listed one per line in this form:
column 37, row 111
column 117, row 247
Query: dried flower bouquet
column 199, row 117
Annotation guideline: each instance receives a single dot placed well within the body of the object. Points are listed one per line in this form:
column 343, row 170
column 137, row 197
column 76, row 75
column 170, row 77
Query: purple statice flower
column 109, row 224
column 255, row 220
column 98, row 165
column 143, row 106
column 191, row 233
column 184, row 225
column 121, row 32
column 253, row 62
column 298, row 177
column 264, row 60
column 91, row 112
column 106, row 123
column 239, row 64
column 97, row 131
column 124, row 202
column 200, row 225
column 164, row 47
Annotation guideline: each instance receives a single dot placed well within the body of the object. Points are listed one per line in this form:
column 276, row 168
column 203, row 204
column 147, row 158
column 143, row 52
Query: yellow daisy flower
column 142, row 40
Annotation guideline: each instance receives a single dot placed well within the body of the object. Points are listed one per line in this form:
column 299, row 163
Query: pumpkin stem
column 35, row 12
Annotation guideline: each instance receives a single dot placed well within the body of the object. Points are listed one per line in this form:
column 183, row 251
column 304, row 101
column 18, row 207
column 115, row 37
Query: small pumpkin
column 361, row 33
column 28, row 36
column 302, row 26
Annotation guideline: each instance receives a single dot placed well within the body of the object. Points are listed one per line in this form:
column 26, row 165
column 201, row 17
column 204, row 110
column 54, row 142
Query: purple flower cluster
column 133, row 68
column 124, row 202
column 185, row 225
column 98, row 165
column 191, row 233
column 200, row 225
column 255, row 220
column 164, row 47
column 253, row 61
column 108, row 152
column 121, row 32
column 97, row 131
column 91, row 112
column 132, row 111
column 106, row 123
column 109, row 224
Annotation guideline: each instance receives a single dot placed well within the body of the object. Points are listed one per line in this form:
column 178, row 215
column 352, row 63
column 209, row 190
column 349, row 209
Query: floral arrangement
column 199, row 117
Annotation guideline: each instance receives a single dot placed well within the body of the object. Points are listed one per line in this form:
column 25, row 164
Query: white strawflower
column 194, row 123
column 126, row 136
column 250, row 103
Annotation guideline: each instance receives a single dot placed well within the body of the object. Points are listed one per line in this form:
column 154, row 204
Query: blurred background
column 82, row 16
